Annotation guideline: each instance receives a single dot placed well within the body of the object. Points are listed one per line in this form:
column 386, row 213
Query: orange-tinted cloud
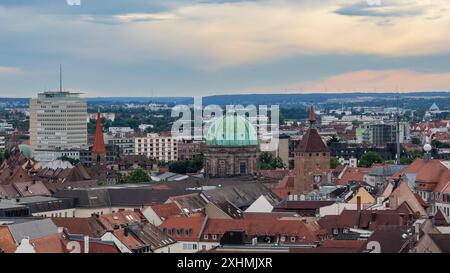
column 372, row 81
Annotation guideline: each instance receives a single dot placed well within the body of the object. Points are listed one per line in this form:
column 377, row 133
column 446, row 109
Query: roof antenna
column 60, row 78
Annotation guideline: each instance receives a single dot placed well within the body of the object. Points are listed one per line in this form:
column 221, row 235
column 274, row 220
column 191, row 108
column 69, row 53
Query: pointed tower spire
column 312, row 117
column 98, row 148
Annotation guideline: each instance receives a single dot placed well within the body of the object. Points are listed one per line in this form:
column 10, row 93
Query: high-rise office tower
column 57, row 124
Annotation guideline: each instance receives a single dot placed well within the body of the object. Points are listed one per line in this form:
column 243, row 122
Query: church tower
column 98, row 149
column 312, row 160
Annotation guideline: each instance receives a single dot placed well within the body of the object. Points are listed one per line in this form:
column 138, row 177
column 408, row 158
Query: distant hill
column 285, row 100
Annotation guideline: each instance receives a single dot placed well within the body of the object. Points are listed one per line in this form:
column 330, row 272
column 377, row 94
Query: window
column 187, row 232
column 206, row 237
column 214, row 237
column 179, row 231
column 292, row 239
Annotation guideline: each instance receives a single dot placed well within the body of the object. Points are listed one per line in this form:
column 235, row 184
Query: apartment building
column 161, row 147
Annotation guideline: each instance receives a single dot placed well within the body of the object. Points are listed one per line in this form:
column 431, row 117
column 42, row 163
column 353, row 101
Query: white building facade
column 162, row 148
column 57, row 122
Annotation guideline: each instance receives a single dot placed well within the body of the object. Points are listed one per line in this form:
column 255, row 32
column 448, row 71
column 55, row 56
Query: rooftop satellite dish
column 427, row 148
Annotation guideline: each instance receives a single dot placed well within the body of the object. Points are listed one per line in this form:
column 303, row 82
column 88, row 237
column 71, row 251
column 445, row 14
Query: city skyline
column 180, row 48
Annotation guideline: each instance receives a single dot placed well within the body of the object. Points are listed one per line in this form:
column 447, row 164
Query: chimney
column 373, row 216
column 125, row 231
column 27, row 188
column 358, row 211
column 358, row 204
column 86, row 244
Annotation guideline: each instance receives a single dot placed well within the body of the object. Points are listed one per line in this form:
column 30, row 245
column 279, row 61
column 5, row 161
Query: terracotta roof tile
column 7, row 243
column 121, row 218
column 192, row 222
column 54, row 243
column 353, row 175
column 80, row 226
column 262, row 224
column 164, row 211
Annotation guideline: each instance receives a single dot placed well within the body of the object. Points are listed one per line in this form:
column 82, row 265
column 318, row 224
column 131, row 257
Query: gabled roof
column 52, row 243
column 193, row 223
column 263, row 224
column 122, row 218
column 192, row 201
column 390, row 239
column 30, row 188
column 88, row 226
column 166, row 210
column 367, row 219
column 240, row 196
column 442, row 241
column 33, row 229
column 352, row 174
column 7, row 243
column 150, row 235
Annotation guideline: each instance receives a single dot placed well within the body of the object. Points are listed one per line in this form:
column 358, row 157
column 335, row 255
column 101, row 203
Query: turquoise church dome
column 231, row 130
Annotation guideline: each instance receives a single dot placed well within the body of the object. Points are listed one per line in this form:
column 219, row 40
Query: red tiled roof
column 99, row 247
column 54, row 243
column 369, row 219
column 263, row 224
column 193, row 222
column 353, row 174
column 7, row 243
column 80, row 226
column 129, row 240
column 121, row 218
column 285, row 186
column 31, row 189
column 432, row 172
column 274, row 174
column 164, row 211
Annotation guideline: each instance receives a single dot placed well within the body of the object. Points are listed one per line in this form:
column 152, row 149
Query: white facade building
column 162, row 148
column 2, row 143
column 57, row 122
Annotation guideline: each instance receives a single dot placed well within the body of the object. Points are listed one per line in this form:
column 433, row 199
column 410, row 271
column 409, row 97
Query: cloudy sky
column 204, row 47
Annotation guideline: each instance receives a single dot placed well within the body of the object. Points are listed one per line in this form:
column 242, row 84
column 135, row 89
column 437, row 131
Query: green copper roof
column 25, row 150
column 231, row 130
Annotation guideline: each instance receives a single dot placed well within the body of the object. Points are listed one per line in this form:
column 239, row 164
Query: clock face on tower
column 317, row 178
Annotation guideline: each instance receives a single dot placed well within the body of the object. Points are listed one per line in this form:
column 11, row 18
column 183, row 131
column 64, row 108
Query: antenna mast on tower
column 60, row 79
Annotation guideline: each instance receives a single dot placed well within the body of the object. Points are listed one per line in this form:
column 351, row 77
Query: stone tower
column 312, row 160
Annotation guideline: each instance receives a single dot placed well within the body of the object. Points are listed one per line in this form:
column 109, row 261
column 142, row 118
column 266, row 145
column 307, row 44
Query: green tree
column 370, row 158
column 269, row 162
column 6, row 155
column 334, row 162
column 136, row 176
column 438, row 144
column 415, row 141
column 187, row 166
column 69, row 159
